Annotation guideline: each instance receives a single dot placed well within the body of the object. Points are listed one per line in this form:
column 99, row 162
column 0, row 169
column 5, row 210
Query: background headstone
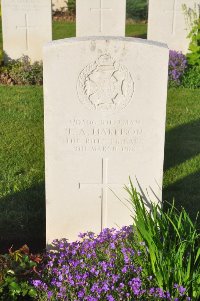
column 59, row 5
column 105, row 107
column 100, row 18
column 167, row 23
column 27, row 26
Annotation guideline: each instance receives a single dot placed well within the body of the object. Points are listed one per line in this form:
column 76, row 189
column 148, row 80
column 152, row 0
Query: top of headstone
column 94, row 38
column 100, row 17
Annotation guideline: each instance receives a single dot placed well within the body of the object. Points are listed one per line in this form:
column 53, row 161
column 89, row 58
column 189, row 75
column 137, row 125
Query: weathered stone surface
column 100, row 18
column 27, row 26
column 168, row 23
column 105, row 107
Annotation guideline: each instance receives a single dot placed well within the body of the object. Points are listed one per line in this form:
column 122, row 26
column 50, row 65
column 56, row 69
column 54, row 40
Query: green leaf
column 32, row 293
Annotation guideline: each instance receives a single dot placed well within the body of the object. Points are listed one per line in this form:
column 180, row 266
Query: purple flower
column 110, row 298
column 177, row 66
column 99, row 267
column 37, row 283
column 49, row 295
column 81, row 294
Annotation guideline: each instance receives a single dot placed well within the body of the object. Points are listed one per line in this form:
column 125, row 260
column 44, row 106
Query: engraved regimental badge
column 105, row 85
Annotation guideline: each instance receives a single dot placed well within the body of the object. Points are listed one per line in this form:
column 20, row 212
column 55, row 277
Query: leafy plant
column 191, row 78
column 16, row 268
column 21, row 72
column 193, row 20
column 171, row 245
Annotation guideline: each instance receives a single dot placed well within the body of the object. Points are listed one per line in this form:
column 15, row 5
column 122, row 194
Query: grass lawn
column 22, row 193
column 182, row 149
column 63, row 30
column 22, row 205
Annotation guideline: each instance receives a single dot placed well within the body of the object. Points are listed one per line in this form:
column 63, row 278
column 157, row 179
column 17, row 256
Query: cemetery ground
column 22, row 206
column 62, row 30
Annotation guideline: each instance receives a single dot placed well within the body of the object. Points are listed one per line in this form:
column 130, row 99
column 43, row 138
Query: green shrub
column 21, row 72
column 16, row 269
column 191, row 78
column 71, row 5
column 171, row 245
column 187, row 74
column 193, row 20
column 137, row 9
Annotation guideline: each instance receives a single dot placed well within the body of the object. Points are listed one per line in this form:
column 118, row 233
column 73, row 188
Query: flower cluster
column 21, row 72
column 177, row 66
column 102, row 267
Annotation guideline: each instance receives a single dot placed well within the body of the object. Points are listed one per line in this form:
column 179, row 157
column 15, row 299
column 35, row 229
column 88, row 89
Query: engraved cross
column 26, row 28
column 100, row 10
column 105, row 186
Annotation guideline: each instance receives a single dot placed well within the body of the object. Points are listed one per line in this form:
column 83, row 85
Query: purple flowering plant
column 101, row 267
column 177, row 66
column 157, row 258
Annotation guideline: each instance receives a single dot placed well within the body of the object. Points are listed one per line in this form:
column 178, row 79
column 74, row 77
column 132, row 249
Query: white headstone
column 59, row 5
column 100, row 18
column 105, row 107
column 168, row 23
column 27, row 26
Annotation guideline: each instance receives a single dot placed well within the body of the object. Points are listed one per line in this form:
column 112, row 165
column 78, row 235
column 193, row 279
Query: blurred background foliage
column 135, row 9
